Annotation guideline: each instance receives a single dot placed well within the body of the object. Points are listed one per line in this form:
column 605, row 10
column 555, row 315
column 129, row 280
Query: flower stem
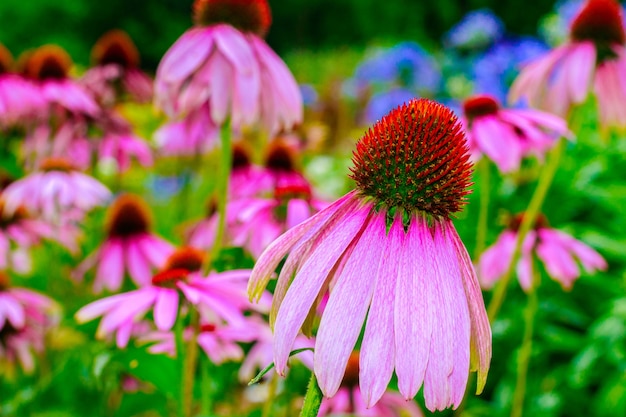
column 528, row 221
column 267, row 407
column 525, row 351
column 190, row 361
column 222, row 192
column 179, row 339
column 483, row 215
column 312, row 399
column 206, row 387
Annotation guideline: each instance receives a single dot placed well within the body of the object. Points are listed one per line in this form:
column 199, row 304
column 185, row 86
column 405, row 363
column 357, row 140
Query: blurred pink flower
column 55, row 189
column 218, row 296
column 349, row 402
column 246, row 178
column 261, row 353
column 557, row 250
column 25, row 316
column 48, row 66
column 116, row 71
column 227, row 65
column 120, row 144
column 130, row 248
column 254, row 223
column 593, row 60
column 18, row 98
column 194, row 134
column 390, row 257
column 508, row 135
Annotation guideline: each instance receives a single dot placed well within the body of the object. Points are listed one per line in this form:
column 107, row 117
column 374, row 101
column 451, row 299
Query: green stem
column 222, row 193
column 179, row 339
column 190, row 361
column 206, row 387
column 525, row 352
column 528, row 221
column 312, row 399
column 481, row 232
column 267, row 407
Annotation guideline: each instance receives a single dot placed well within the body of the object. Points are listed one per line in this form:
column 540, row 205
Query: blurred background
column 297, row 24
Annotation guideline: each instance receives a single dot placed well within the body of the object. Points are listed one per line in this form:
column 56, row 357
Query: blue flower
column 382, row 103
column 478, row 29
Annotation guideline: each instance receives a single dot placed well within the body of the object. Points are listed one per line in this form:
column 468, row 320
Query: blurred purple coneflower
column 129, row 248
column 594, row 60
column 224, row 62
column 508, row 135
column 557, row 250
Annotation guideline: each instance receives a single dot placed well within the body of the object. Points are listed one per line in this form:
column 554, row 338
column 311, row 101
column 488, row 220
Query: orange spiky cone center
column 6, row 60
column 241, row 158
column 209, row 328
column 55, row 163
column 287, row 192
column 480, row 105
column 414, row 159
column 599, row 21
column 178, row 266
column 116, row 47
column 128, row 216
column 246, row 15
column 48, row 62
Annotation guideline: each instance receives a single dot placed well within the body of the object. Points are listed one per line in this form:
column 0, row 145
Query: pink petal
column 138, row 264
column 347, row 306
column 378, row 349
column 308, row 283
column 165, row 309
column 110, row 272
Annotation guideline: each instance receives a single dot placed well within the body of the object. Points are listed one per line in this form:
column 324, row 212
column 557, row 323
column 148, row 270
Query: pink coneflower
column 130, row 248
column 508, row 135
column 557, row 250
column 246, row 178
column 261, row 353
column 219, row 295
column 256, row 222
column 18, row 97
column 24, row 317
column 224, row 62
column 390, row 248
column 281, row 166
column 18, row 232
column 48, row 66
column 54, row 189
column 119, row 144
column 349, row 402
column 219, row 342
column 116, row 71
column 202, row 234
column 194, row 134
column 593, row 60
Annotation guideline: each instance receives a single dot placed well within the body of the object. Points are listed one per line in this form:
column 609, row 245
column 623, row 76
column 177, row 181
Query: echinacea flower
column 55, row 189
column 48, row 66
column 219, row 295
column 390, row 257
column 594, row 59
column 130, row 248
column 508, row 135
column 349, row 402
column 24, row 318
column 194, row 134
column 18, row 97
column 116, row 71
column 558, row 251
column 246, row 178
column 119, row 144
column 224, row 62
column 255, row 222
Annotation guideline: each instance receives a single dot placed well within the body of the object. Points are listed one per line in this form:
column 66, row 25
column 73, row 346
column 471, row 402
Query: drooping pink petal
column 414, row 308
column 165, row 309
column 377, row 358
column 308, row 282
column 110, row 272
column 580, row 64
column 347, row 306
